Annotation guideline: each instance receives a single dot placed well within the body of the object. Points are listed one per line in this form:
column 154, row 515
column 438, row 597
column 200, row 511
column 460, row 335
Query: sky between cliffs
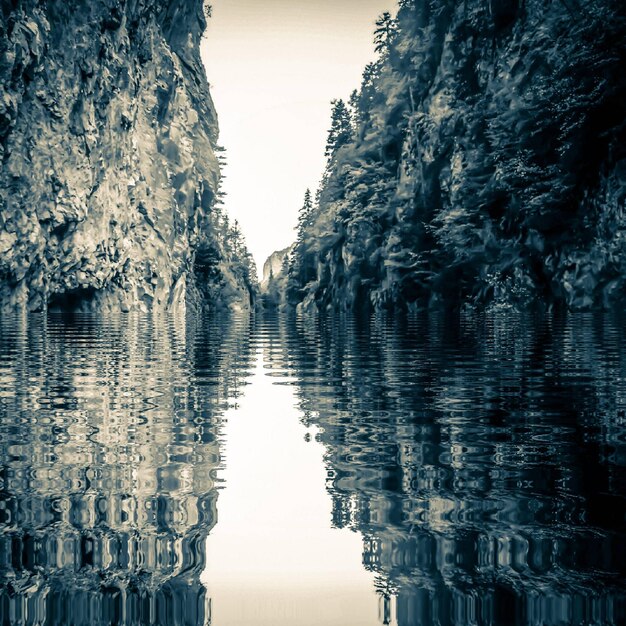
column 274, row 66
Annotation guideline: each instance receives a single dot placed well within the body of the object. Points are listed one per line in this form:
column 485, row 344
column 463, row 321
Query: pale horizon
column 273, row 68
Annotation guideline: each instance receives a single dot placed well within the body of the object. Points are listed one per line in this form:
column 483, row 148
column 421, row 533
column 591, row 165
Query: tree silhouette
column 385, row 33
column 304, row 214
column 340, row 132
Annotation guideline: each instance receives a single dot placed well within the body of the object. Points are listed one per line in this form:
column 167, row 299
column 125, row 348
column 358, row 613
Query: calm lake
column 426, row 470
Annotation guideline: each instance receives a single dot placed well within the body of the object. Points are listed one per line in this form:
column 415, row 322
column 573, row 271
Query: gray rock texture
column 109, row 176
column 273, row 267
column 273, row 287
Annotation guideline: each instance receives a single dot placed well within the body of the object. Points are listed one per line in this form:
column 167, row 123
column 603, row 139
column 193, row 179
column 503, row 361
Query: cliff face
column 485, row 162
column 273, row 285
column 108, row 178
column 273, row 266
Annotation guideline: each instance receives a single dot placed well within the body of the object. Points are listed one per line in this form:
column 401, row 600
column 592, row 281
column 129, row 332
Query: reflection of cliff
column 481, row 459
column 109, row 440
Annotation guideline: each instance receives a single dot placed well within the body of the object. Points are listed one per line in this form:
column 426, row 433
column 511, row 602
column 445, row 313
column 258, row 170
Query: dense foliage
column 226, row 247
column 481, row 160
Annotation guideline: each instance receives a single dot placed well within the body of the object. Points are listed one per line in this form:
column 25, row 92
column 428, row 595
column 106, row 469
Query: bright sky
column 274, row 66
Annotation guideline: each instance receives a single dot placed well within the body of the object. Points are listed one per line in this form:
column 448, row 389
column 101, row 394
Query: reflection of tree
column 109, row 444
column 481, row 459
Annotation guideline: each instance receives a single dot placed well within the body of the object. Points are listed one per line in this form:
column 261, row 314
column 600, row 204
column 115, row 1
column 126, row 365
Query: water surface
column 418, row 470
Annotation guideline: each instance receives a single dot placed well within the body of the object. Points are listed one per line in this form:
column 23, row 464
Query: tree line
column 480, row 161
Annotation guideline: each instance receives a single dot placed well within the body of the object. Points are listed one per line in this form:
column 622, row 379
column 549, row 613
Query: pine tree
column 362, row 102
column 284, row 266
column 353, row 104
column 295, row 262
column 340, row 132
column 385, row 33
column 304, row 214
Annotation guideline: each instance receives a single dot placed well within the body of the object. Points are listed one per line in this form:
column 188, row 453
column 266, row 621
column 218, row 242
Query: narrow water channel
column 273, row 557
column 425, row 470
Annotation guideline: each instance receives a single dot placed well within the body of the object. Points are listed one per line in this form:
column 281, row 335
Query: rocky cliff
column 107, row 136
column 273, row 285
column 273, row 266
column 483, row 160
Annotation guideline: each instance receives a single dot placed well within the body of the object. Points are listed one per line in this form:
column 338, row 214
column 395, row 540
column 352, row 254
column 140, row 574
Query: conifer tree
column 354, row 105
column 340, row 132
column 304, row 214
column 294, row 262
column 385, row 33
column 362, row 102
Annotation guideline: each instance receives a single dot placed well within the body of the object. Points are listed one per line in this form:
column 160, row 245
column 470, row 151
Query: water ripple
column 481, row 458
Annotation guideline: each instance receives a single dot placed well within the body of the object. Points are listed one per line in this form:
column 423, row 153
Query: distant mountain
column 272, row 285
column 109, row 173
column 482, row 160
column 273, row 266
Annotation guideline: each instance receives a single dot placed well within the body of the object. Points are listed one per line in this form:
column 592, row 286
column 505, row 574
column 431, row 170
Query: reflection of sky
column 274, row 66
column 273, row 558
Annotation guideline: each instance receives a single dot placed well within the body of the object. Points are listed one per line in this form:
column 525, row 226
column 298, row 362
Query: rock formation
column 107, row 137
column 273, row 266
column 273, row 285
column 482, row 161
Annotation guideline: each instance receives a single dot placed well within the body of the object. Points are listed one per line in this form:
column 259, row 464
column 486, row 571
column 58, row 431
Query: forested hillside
column 482, row 160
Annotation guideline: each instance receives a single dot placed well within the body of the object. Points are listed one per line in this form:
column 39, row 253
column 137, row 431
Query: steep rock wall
column 108, row 177
column 273, row 287
column 486, row 162
column 273, row 265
